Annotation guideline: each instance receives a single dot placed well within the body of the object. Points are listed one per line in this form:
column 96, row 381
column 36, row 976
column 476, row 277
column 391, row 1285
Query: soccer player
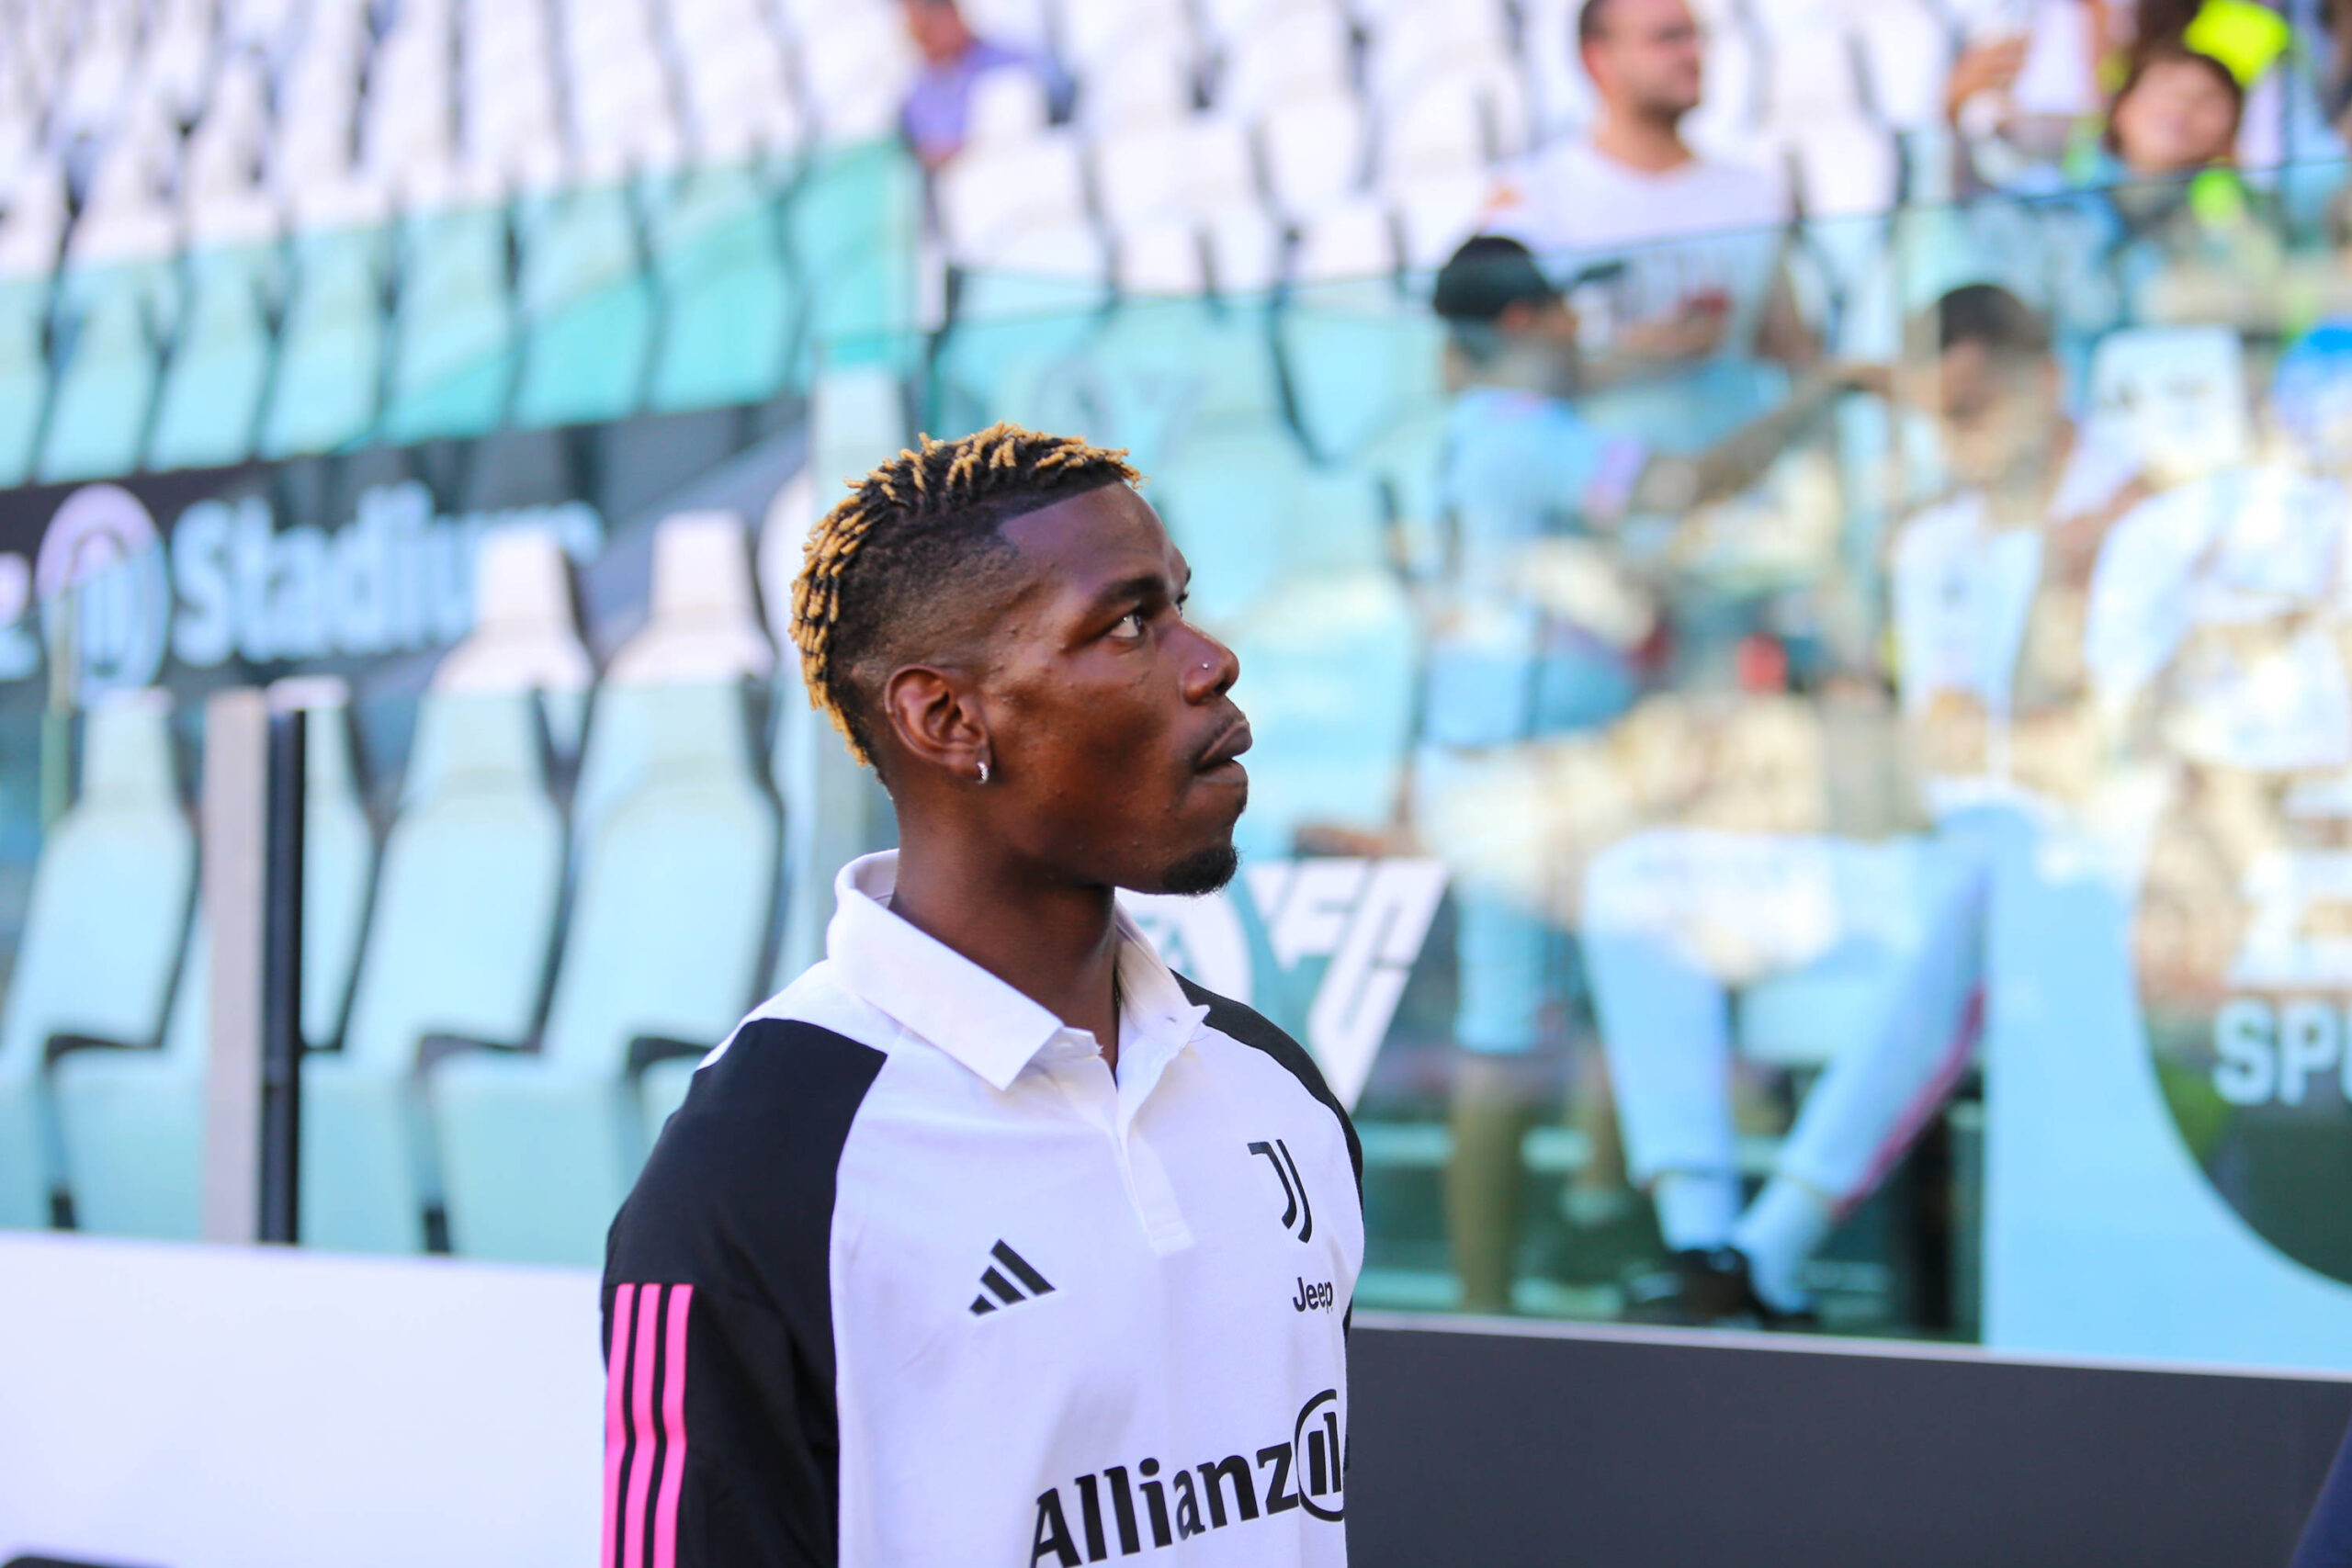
column 991, row 1239
column 1988, row 588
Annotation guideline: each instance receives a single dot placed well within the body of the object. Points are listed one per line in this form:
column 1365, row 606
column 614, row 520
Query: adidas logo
column 995, row 1284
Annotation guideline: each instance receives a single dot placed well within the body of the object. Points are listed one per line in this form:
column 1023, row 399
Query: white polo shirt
column 911, row 1279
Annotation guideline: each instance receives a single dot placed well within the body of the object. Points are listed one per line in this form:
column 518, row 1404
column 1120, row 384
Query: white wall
column 217, row 1407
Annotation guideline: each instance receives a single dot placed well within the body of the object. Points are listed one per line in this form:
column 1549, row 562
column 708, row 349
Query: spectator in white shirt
column 1701, row 242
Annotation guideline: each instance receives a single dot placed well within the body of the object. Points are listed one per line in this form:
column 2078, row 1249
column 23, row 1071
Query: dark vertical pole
column 281, row 1010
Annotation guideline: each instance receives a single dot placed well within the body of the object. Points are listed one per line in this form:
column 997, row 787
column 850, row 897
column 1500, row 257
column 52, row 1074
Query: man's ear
column 936, row 716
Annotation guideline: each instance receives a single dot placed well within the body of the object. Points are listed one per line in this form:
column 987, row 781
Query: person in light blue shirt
column 1538, row 615
column 938, row 107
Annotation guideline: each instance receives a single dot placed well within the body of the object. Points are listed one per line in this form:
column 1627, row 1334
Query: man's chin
column 1202, row 872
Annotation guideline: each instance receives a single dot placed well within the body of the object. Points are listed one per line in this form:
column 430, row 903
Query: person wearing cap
column 1536, row 611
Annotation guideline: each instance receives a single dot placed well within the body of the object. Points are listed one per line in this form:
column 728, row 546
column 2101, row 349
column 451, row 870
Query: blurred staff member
column 939, row 105
column 991, row 1240
column 1702, row 284
column 1988, row 585
column 1533, row 628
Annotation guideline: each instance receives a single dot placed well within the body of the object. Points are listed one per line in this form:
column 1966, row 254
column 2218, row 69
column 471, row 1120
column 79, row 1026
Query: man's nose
column 1210, row 669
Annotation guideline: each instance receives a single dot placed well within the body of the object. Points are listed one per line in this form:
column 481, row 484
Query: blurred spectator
column 1987, row 589
column 2154, row 224
column 2026, row 100
column 1535, row 624
column 1710, row 283
column 2182, row 237
column 939, row 105
column 2332, row 74
column 2217, row 639
column 2019, row 93
column 2176, row 112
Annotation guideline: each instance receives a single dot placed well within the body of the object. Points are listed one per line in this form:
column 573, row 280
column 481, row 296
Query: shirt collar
column 943, row 998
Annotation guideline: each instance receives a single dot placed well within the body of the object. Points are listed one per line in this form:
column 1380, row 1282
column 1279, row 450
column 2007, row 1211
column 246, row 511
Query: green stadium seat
column 24, row 372
column 465, row 914
column 331, row 351
column 98, row 419
column 453, row 335
column 668, row 922
column 728, row 308
column 587, row 311
column 133, row 1121
column 102, row 932
column 212, row 388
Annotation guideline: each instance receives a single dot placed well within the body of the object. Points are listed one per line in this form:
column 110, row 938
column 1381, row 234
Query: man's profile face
column 1113, row 734
column 1649, row 56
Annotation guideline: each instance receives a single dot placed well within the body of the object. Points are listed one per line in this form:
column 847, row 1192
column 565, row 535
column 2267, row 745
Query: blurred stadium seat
column 589, row 308
column 453, row 329
column 463, row 927
column 729, row 311
column 118, row 303
column 221, row 358
column 331, row 349
column 102, row 935
column 132, row 1123
column 668, row 922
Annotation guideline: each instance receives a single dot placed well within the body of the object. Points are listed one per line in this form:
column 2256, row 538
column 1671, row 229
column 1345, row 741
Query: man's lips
column 1229, row 744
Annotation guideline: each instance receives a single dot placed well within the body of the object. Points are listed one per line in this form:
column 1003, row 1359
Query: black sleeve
column 1251, row 1028
column 721, row 1435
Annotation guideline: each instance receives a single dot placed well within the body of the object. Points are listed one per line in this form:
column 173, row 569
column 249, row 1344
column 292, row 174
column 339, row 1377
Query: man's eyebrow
column 1142, row 585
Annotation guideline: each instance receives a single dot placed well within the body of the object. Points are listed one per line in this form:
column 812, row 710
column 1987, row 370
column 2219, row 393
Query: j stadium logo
column 1138, row 1507
column 110, row 596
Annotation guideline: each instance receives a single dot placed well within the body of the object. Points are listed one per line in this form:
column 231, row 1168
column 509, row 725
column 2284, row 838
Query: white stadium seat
column 703, row 625
column 1297, row 53
column 995, row 192
column 1091, row 31
column 1315, row 153
column 1194, row 166
column 1151, row 83
column 1007, row 106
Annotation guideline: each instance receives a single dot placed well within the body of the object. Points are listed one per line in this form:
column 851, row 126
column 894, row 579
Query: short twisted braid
column 883, row 566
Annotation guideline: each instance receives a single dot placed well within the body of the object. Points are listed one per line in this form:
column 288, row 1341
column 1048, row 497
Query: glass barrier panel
column 1692, row 757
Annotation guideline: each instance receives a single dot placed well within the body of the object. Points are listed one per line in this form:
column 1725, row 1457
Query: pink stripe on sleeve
column 673, row 1430
column 615, row 1433
column 641, row 1460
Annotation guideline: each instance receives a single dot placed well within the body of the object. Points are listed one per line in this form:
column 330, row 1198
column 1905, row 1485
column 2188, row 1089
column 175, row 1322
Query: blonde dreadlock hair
column 919, row 531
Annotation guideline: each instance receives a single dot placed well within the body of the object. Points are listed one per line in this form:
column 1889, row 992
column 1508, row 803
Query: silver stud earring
column 984, row 770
